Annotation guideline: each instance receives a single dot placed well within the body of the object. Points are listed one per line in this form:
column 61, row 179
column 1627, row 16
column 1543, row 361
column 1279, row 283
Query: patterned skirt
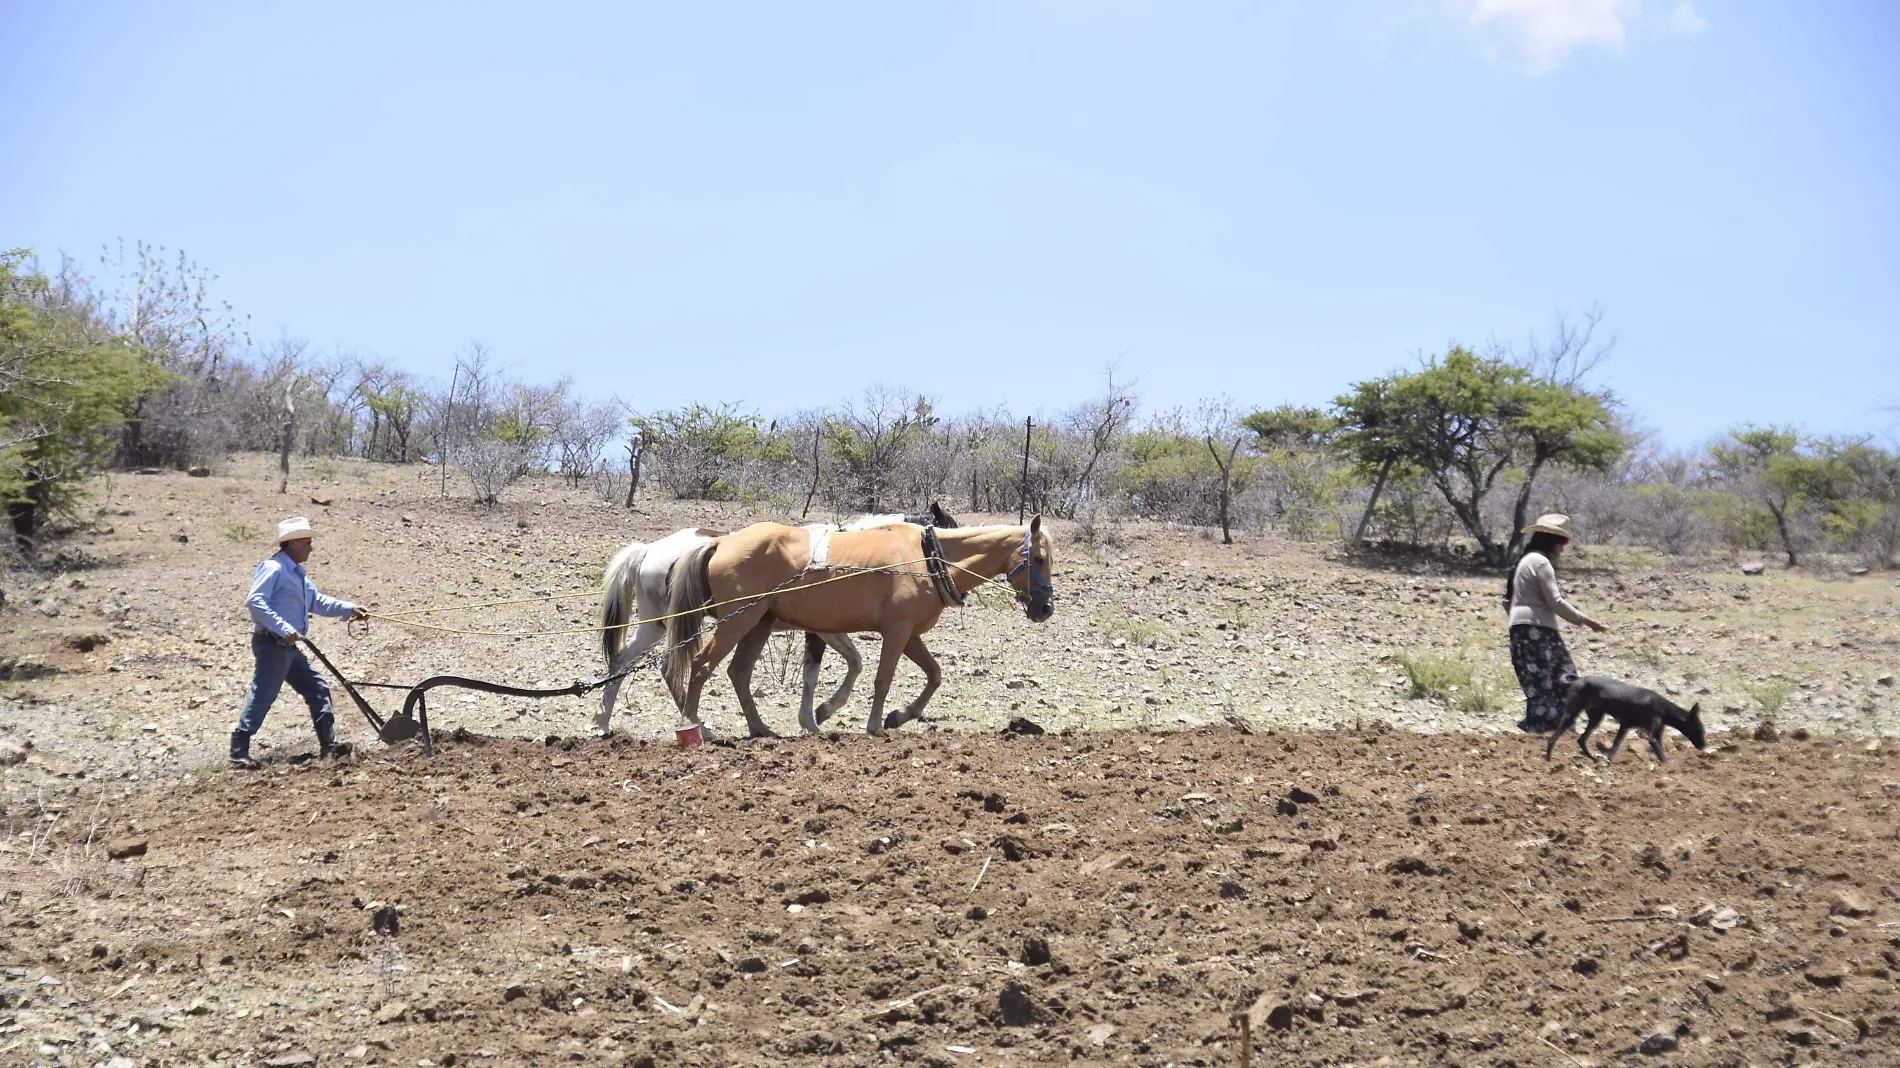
column 1542, row 663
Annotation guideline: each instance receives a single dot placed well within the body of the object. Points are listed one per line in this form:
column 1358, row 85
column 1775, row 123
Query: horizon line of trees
column 144, row 368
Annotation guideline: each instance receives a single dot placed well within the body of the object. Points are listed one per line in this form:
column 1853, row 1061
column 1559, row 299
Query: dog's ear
column 1695, row 710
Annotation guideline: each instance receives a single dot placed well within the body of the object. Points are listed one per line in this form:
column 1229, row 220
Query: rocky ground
column 1371, row 874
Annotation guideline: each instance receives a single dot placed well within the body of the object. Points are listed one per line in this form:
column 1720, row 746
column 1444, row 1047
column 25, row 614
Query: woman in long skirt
column 1538, row 652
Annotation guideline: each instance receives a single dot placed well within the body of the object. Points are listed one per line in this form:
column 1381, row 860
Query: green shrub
column 1772, row 694
column 1450, row 680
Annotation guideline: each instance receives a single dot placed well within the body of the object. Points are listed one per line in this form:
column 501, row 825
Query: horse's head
column 1031, row 577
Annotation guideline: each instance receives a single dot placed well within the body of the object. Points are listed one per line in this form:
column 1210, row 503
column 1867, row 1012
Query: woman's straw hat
column 1551, row 523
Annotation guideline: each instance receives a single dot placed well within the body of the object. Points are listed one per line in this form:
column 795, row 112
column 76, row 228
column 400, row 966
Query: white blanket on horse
column 820, row 547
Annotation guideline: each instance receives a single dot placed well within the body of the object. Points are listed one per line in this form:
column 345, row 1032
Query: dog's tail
column 617, row 598
column 688, row 588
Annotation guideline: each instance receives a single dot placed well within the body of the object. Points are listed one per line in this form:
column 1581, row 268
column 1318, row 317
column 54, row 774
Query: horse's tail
column 618, row 600
column 687, row 588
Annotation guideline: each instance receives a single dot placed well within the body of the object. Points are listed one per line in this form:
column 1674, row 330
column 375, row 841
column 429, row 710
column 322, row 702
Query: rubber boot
column 241, row 752
column 327, row 745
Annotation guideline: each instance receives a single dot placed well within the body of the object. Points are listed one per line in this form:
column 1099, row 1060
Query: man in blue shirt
column 281, row 601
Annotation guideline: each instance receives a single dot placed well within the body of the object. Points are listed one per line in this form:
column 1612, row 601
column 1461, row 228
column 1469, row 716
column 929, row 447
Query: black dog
column 1631, row 706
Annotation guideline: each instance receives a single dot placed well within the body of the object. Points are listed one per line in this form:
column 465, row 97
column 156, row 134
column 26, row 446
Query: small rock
column 182, row 538
column 1023, row 725
column 1100, row 1034
column 1725, row 920
column 408, row 520
column 1884, row 680
column 1016, row 1007
column 1826, row 975
column 202, row 471
column 323, row 499
column 392, row 1012
column 1754, row 567
column 286, row 1060
column 1849, row 903
column 125, row 848
column 514, row 993
column 1657, row 1044
column 12, row 753
column 386, row 921
column 1035, row 951
column 49, row 608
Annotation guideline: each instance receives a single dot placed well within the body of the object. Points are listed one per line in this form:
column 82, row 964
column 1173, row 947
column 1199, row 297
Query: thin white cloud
column 1686, row 19
column 1543, row 33
column 1540, row 35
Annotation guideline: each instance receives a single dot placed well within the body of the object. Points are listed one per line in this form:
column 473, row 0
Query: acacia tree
column 1369, row 430
column 1764, row 465
column 1463, row 420
column 1563, row 419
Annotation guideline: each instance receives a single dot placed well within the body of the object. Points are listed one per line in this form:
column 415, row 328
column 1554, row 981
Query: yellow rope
column 578, row 594
column 399, row 621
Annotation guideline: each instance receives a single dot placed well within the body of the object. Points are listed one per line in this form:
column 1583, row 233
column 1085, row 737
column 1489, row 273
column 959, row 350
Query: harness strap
column 940, row 570
column 820, row 546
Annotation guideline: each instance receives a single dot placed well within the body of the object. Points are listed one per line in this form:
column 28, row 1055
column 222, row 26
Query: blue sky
column 780, row 204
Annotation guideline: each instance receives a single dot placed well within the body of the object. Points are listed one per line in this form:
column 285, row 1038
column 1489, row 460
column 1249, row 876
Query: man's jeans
column 276, row 664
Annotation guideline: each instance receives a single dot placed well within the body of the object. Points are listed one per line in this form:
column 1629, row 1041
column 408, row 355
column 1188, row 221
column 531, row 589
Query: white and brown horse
column 634, row 597
column 895, row 581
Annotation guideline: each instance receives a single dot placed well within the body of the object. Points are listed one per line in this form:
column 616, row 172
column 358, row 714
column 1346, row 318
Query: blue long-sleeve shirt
column 282, row 598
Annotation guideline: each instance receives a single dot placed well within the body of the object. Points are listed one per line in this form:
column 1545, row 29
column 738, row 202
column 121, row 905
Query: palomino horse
column 636, row 579
column 892, row 580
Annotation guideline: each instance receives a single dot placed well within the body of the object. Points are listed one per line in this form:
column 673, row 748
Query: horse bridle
column 1039, row 584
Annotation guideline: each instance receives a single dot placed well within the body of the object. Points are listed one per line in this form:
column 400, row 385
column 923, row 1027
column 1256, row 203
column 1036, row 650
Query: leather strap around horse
column 939, row 570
